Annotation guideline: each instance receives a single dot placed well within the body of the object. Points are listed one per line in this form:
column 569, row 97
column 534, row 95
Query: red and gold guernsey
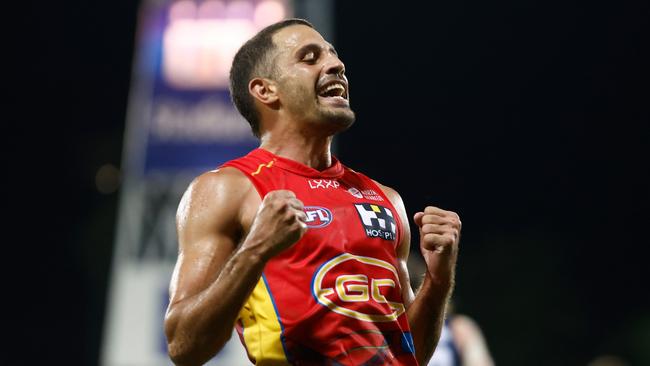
column 334, row 297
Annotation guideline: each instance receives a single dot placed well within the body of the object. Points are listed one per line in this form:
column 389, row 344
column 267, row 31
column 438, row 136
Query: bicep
column 402, row 259
column 208, row 227
column 198, row 265
column 404, row 246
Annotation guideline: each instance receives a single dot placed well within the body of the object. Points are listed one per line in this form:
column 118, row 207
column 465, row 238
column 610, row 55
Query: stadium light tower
column 180, row 122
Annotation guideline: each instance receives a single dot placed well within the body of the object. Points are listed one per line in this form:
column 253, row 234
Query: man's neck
column 313, row 152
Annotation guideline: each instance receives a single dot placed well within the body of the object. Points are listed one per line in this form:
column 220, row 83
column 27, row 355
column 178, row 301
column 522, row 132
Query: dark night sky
column 530, row 119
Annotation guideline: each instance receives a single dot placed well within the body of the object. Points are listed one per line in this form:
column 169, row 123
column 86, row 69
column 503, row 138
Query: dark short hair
column 252, row 60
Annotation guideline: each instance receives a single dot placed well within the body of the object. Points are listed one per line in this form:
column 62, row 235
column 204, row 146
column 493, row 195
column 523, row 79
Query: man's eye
column 309, row 56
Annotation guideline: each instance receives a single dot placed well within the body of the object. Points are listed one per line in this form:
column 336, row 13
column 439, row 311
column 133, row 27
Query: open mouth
column 334, row 89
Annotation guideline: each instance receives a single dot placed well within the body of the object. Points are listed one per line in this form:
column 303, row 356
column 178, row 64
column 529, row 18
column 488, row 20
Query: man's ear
column 264, row 90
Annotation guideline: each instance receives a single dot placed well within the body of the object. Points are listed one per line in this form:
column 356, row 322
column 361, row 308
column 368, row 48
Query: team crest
column 359, row 287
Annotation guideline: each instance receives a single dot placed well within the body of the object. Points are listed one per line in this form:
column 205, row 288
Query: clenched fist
column 439, row 237
column 279, row 223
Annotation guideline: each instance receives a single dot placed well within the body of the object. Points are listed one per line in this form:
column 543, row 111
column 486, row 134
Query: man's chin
column 342, row 119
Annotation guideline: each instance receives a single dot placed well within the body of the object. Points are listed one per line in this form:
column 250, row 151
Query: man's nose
column 334, row 66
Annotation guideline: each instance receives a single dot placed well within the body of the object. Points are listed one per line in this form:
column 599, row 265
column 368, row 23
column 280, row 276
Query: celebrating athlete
column 305, row 257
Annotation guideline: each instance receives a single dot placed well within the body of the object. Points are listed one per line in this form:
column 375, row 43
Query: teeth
column 335, row 86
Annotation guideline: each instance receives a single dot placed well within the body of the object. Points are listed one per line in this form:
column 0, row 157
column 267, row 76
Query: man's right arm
column 224, row 242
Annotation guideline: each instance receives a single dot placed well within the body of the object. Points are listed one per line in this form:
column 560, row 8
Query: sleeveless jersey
column 334, row 297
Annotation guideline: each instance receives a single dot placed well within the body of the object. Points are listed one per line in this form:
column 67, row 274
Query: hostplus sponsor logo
column 323, row 183
column 317, row 216
column 369, row 194
column 377, row 221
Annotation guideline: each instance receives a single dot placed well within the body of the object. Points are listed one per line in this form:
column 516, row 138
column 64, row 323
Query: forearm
column 197, row 327
column 426, row 316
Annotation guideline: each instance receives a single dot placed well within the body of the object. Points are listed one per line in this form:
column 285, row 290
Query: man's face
column 311, row 82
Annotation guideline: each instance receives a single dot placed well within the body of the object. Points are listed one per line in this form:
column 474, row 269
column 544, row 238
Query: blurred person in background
column 608, row 360
column 461, row 340
column 461, row 344
column 305, row 257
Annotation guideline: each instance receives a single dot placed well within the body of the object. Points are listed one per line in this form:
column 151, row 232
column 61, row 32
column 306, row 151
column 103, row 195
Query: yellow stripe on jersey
column 262, row 329
column 375, row 208
column 259, row 168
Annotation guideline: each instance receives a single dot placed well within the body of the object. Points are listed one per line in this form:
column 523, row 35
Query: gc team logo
column 317, row 216
column 349, row 294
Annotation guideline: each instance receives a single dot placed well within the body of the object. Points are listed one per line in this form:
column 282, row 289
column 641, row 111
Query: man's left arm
column 439, row 237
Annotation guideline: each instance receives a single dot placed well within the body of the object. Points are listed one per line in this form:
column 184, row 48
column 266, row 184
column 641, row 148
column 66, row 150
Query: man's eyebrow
column 315, row 47
column 332, row 49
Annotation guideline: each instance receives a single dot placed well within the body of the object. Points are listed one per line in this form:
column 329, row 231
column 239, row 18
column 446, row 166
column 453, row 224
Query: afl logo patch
column 317, row 216
column 359, row 287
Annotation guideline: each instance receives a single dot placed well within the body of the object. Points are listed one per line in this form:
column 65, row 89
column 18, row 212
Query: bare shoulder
column 218, row 197
column 225, row 180
column 223, row 186
column 397, row 202
column 393, row 196
column 209, row 226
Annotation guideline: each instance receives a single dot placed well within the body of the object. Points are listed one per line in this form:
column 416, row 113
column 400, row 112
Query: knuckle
column 286, row 194
column 282, row 205
column 429, row 237
column 289, row 216
column 298, row 227
column 428, row 228
column 455, row 222
column 272, row 200
column 450, row 240
column 428, row 219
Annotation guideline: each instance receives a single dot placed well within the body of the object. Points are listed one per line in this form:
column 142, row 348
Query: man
column 305, row 257
column 461, row 339
column 461, row 343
